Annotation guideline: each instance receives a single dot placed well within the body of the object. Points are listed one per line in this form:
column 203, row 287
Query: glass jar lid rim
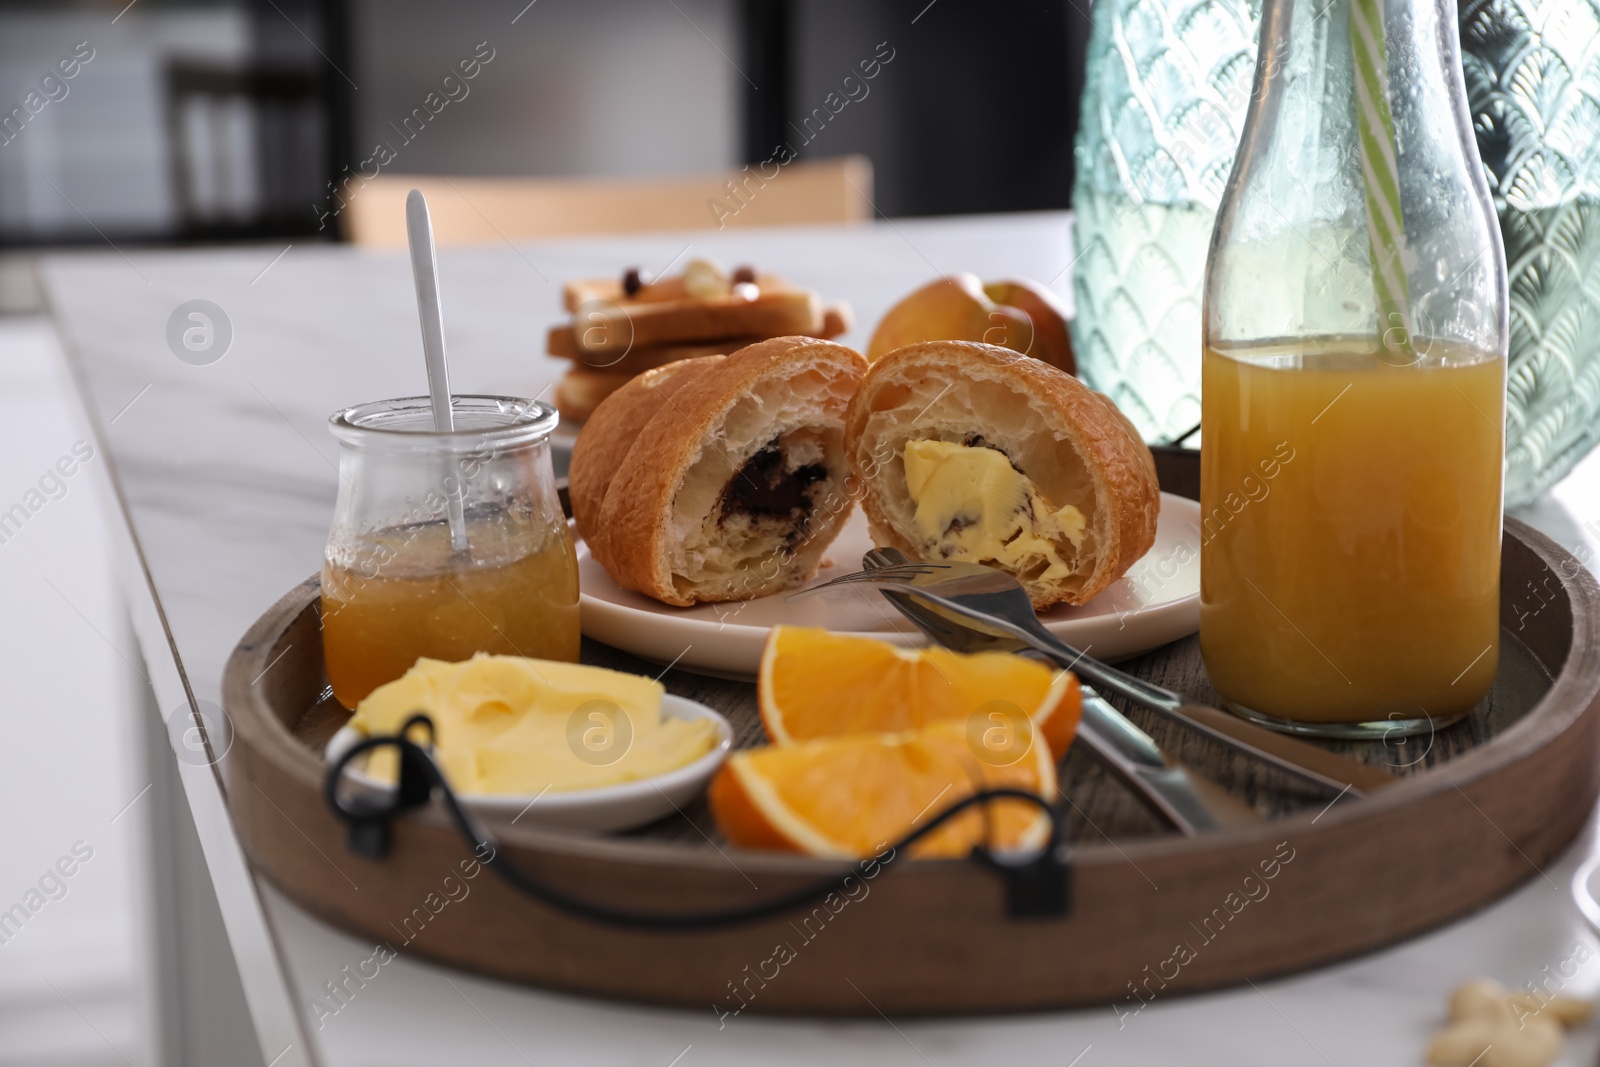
column 524, row 418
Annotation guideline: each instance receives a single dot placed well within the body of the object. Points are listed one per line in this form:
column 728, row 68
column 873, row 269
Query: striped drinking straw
column 1386, row 232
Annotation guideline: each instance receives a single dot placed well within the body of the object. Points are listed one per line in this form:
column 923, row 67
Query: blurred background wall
column 224, row 120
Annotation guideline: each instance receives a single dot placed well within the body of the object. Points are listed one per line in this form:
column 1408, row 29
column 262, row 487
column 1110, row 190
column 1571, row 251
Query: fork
column 1178, row 794
column 976, row 607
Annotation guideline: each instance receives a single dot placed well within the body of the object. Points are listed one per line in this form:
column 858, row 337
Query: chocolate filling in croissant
column 765, row 488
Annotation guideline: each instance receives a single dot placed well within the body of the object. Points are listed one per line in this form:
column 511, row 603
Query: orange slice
column 816, row 684
column 850, row 796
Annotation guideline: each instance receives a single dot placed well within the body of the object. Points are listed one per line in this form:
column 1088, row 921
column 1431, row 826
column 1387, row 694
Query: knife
column 1333, row 772
column 1178, row 794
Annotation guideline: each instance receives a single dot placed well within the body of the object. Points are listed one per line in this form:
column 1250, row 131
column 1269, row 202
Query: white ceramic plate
column 1157, row 601
column 1586, row 891
column 612, row 807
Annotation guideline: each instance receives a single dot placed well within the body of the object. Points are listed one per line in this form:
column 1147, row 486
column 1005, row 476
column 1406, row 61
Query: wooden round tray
column 1484, row 804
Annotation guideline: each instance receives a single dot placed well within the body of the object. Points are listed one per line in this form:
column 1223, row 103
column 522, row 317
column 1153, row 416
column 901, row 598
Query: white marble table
column 227, row 475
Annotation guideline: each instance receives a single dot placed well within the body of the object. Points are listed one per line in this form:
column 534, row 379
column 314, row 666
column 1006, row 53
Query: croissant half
column 722, row 477
column 976, row 453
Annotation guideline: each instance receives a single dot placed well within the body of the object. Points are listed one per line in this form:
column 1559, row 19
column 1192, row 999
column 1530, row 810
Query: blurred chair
column 475, row 210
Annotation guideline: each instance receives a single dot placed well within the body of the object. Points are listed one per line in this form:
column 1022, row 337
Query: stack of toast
column 624, row 326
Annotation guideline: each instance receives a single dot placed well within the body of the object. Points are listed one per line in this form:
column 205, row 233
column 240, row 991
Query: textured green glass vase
column 1533, row 83
column 1165, row 91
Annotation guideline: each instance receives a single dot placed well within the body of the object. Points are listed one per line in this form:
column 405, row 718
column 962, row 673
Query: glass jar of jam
column 444, row 544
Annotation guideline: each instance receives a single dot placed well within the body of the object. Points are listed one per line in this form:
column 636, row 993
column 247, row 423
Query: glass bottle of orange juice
column 444, row 544
column 1353, row 383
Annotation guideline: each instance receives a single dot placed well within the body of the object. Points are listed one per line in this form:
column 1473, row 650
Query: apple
column 1017, row 314
column 1051, row 340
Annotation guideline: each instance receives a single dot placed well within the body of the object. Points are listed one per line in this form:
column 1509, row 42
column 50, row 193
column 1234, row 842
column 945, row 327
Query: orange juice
column 1350, row 560
column 410, row 596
